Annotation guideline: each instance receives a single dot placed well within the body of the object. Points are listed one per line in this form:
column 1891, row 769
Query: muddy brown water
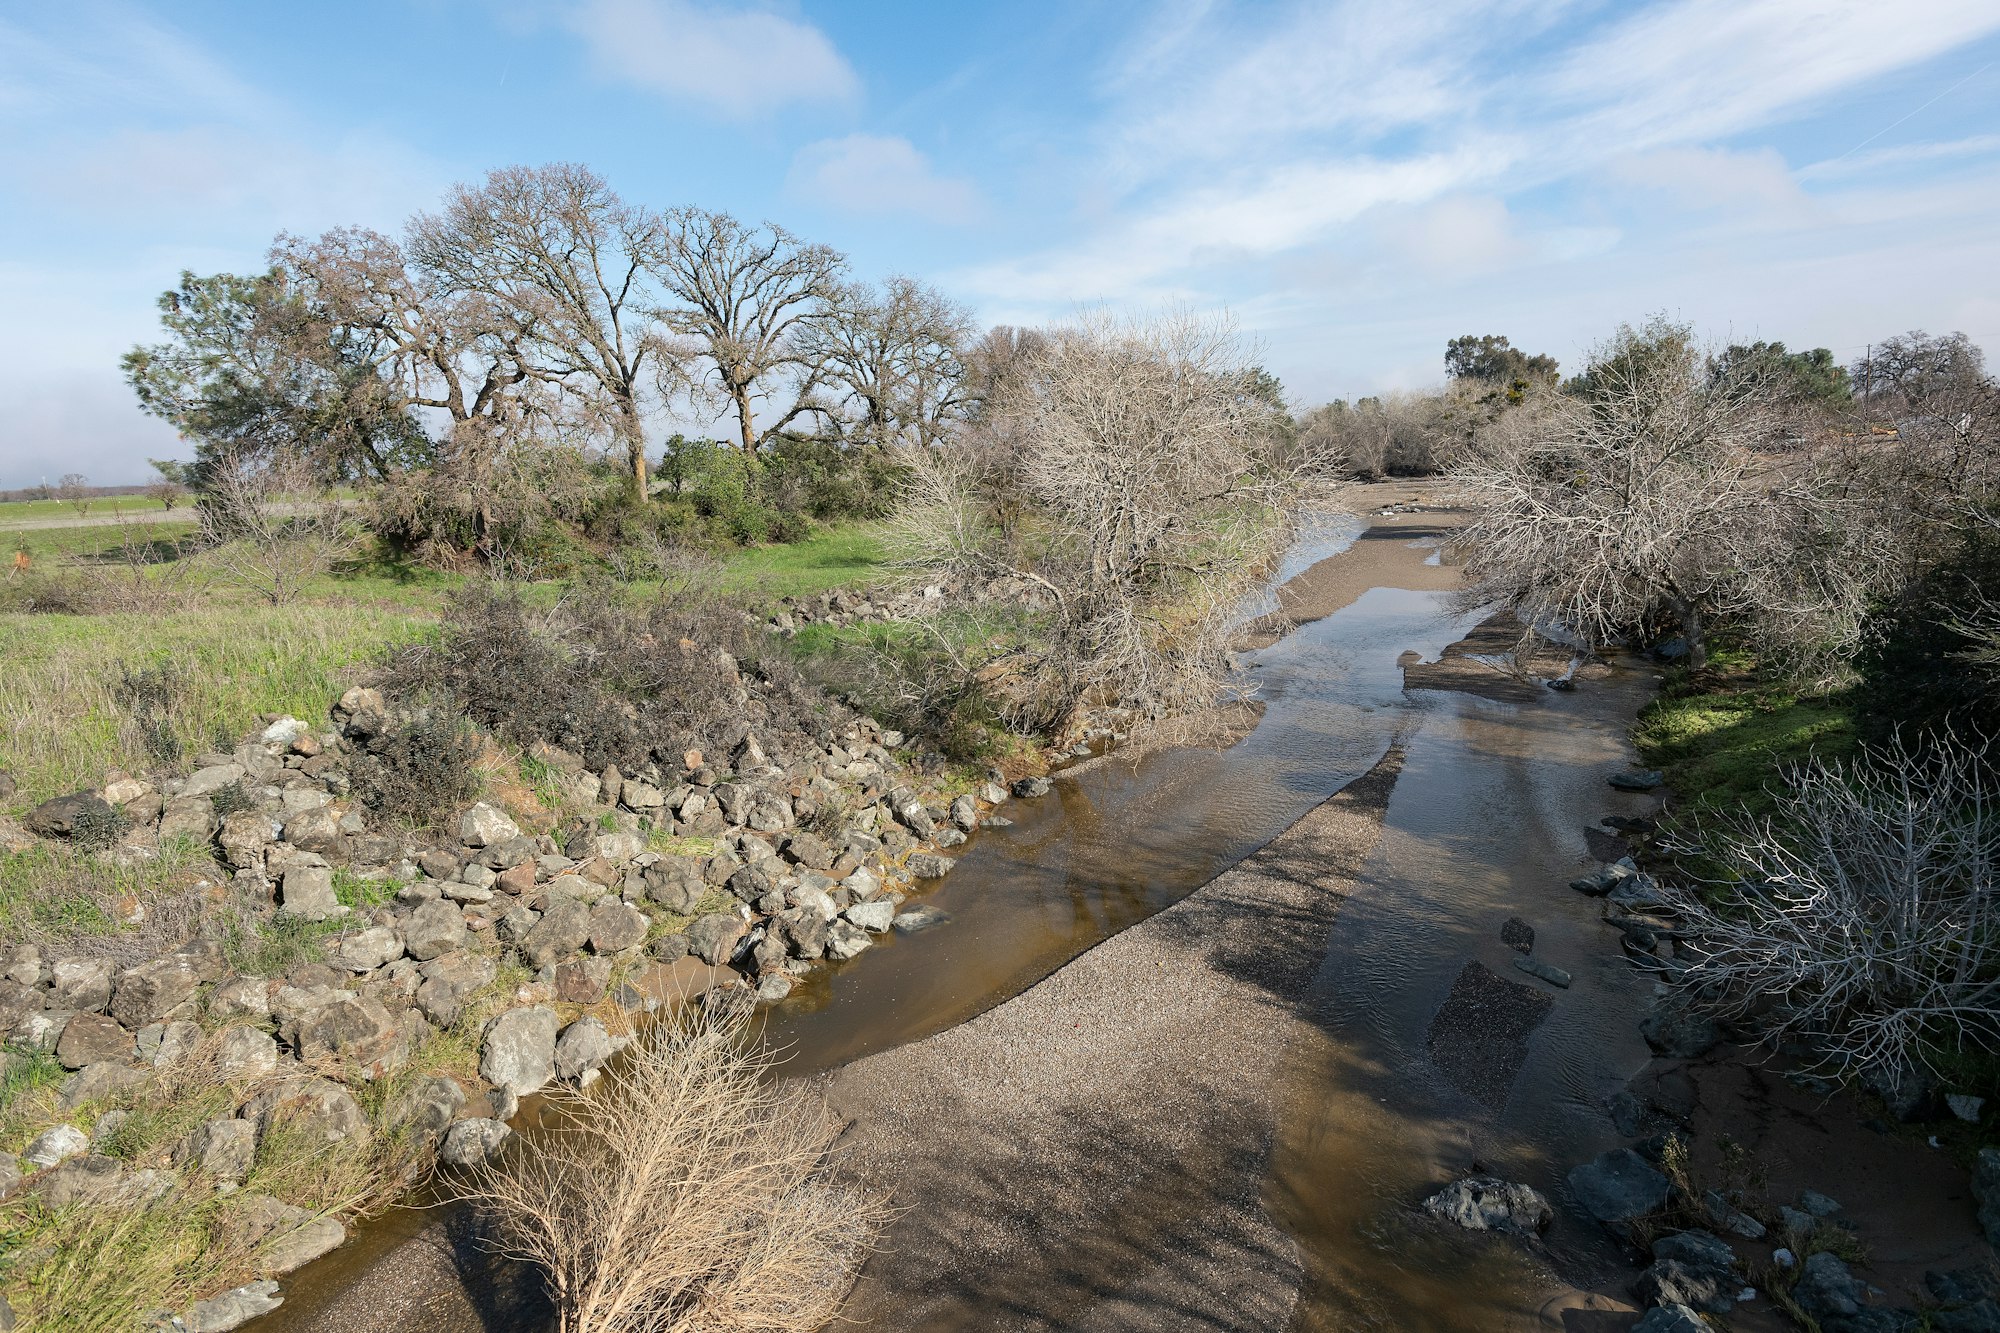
column 1486, row 823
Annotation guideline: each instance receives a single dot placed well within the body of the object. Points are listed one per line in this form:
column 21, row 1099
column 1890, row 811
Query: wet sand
column 1091, row 1154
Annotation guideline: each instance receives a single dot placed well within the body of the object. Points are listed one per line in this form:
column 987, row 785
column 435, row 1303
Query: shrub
column 150, row 696
column 689, row 1191
column 1931, row 657
column 420, row 768
column 1861, row 915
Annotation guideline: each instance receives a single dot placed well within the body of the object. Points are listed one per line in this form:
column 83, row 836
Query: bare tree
column 74, row 491
column 568, row 262
column 1944, row 408
column 686, row 1193
column 1640, row 506
column 896, row 360
column 751, row 297
column 1862, row 915
column 271, row 525
column 1150, row 475
column 171, row 485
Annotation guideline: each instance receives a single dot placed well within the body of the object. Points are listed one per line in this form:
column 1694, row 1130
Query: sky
column 1355, row 182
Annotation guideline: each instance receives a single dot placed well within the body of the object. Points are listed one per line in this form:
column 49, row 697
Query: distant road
column 148, row 518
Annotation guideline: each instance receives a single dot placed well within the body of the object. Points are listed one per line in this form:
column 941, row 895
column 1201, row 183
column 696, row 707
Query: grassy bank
column 1724, row 734
column 221, row 656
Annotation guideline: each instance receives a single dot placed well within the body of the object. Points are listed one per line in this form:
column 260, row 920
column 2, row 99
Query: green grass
column 103, row 506
column 356, row 894
column 273, row 948
column 844, row 555
column 1723, row 736
column 55, row 893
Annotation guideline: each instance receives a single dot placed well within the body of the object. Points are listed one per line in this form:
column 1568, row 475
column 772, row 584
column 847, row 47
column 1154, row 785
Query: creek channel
column 1487, row 821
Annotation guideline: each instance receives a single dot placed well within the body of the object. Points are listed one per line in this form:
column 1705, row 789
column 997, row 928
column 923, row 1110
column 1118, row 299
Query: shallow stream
column 1487, row 822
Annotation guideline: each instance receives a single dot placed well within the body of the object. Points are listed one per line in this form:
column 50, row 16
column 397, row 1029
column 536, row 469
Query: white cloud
column 1902, row 155
column 1756, row 181
column 738, row 62
column 880, row 174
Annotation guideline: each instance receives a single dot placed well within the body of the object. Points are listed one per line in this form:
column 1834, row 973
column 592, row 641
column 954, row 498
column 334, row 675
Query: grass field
column 107, row 506
column 228, row 657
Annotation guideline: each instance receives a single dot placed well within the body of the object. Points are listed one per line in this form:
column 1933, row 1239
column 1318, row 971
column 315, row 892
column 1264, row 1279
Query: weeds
column 421, row 770
column 150, row 696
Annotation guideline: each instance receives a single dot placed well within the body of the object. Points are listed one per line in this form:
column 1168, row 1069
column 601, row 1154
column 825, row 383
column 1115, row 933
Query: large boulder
column 148, row 992
column 88, row 1038
column 582, row 1049
column 306, row 892
column 1483, row 1203
column 190, row 817
column 873, row 917
column 366, row 950
column 68, row 816
column 234, row 1308
column 472, row 1143
column 97, row 1082
column 317, row 1108
column 434, row 929
column 222, row 1149
column 485, row 824
column 82, row 983
column 712, row 938
column 244, row 1053
column 58, row 1143
column 518, row 1051
column 428, row 1106
column 282, row 1236
column 449, row 981
column 929, row 865
column 1618, row 1186
column 352, row 1028
column 244, row 836
column 844, row 939
column 1675, row 1030
column 563, row 929
column 318, row 830
column 616, row 927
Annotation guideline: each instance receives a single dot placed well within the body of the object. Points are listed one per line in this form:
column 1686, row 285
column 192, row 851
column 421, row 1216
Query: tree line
column 538, row 317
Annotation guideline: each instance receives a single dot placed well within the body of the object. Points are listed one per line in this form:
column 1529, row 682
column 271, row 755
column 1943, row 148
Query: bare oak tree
column 895, row 360
column 570, row 264
column 74, row 490
column 271, row 525
column 750, row 297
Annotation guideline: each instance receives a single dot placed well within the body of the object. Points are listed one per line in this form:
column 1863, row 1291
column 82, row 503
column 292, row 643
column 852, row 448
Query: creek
column 1486, row 822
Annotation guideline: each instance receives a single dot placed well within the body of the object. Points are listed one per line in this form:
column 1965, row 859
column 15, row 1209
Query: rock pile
column 770, row 869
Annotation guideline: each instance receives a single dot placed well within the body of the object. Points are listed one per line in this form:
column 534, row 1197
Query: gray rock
column 89, row 1038
column 164, row 1044
column 1965, row 1107
column 929, row 865
column 1671, row 1282
column 518, row 1050
column 1819, row 1205
column 320, row 830
column 82, row 983
column 1678, row 1032
column 449, row 981
column 284, row 1238
column 147, row 993
column 1637, row 779
column 582, row 1049
column 616, row 926
column 965, row 814
column 1730, row 1219
column 428, row 1106
column 433, row 930
column 1671, row 1319
column 240, row 997
column 818, row 901
column 354, row 1028
column 96, row 1083
column 1986, row 1189
column 563, row 929
column 1827, row 1290
column 712, row 938
column 366, row 950
column 473, row 1143
column 1029, row 788
column 222, row 1149
column 317, row 1108
column 84, row 1180
column 306, row 892
column 1906, row 1091
column 920, row 918
column 1482, row 1203
column 844, row 939
column 484, row 824
column 57, row 1143
column 244, row 1053
column 210, row 780
column 244, row 836
column 873, row 917
column 1548, row 972
column 1618, row 1186
column 234, row 1308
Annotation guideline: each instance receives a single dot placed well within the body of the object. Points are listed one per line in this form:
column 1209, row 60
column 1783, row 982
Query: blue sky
column 1356, row 182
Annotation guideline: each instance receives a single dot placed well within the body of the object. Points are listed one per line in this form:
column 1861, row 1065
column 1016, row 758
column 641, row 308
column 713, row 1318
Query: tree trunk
column 748, row 430
column 635, row 448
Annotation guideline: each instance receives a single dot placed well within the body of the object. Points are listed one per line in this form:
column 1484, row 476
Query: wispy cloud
column 738, row 62
column 880, row 174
